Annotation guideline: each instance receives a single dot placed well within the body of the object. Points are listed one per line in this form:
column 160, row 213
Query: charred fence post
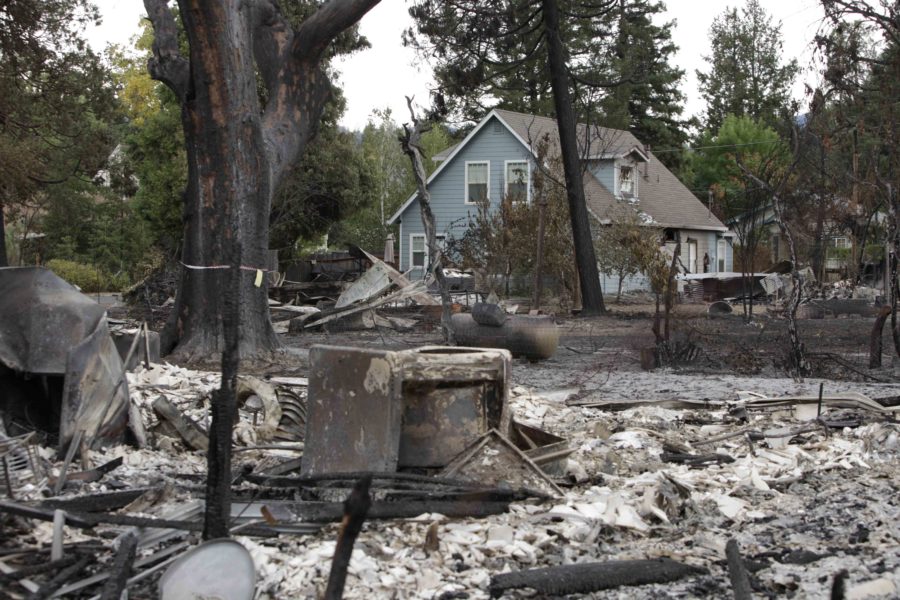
column 355, row 509
column 218, row 458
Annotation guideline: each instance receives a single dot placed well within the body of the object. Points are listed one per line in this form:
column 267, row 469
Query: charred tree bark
column 237, row 151
column 411, row 141
column 585, row 259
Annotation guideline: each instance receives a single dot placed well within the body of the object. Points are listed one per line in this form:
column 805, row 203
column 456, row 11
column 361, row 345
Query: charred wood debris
column 430, row 473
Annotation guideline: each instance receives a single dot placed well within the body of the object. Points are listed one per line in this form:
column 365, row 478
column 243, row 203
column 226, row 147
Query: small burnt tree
column 411, row 142
column 239, row 147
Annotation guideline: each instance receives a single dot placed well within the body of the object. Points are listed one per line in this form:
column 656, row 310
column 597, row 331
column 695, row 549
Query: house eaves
column 456, row 150
column 636, row 150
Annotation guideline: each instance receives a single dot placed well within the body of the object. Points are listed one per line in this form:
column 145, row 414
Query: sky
column 382, row 76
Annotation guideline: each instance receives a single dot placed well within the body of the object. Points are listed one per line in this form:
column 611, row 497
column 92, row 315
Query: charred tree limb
column 167, row 64
column 411, row 141
column 592, row 577
column 316, row 32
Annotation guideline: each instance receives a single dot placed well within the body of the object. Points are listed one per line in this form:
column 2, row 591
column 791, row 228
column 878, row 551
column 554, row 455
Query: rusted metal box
column 451, row 397
column 353, row 411
column 371, row 410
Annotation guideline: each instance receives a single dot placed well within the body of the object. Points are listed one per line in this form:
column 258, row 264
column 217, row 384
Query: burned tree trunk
column 237, row 150
column 411, row 142
column 585, row 258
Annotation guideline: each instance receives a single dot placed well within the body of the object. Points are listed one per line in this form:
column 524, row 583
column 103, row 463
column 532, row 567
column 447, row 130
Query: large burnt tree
column 240, row 145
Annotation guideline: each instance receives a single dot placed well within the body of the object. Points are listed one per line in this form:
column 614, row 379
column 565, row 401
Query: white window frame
column 527, row 177
column 440, row 239
column 634, row 179
column 466, row 178
column 721, row 255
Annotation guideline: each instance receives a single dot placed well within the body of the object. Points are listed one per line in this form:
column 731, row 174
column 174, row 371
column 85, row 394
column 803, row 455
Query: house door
column 692, row 257
column 720, row 255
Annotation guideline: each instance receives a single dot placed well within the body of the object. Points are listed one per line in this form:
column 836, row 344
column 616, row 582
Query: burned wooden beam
column 121, row 569
column 355, row 509
column 695, row 460
column 101, row 502
column 592, row 577
column 193, row 435
column 737, row 572
column 49, row 588
column 42, row 514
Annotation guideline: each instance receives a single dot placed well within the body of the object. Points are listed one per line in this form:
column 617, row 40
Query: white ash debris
column 628, row 504
column 831, row 495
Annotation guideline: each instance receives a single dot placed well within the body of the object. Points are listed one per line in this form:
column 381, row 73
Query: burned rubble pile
column 482, row 476
column 522, row 492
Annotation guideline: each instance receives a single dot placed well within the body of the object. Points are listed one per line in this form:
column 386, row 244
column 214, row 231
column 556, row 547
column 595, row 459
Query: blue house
column 622, row 178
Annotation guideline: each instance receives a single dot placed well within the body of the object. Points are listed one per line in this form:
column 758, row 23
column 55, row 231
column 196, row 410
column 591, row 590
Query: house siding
column 706, row 243
column 493, row 143
column 605, row 173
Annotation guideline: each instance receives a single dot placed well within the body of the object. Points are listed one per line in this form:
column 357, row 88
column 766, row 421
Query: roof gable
column 454, row 151
column 663, row 199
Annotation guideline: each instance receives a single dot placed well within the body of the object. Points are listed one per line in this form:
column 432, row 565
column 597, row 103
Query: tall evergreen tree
column 746, row 75
column 647, row 100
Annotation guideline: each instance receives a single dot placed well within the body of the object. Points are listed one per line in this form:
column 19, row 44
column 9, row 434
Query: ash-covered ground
column 804, row 500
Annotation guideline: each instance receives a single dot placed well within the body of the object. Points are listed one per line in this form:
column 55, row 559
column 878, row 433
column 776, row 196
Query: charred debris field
column 718, row 477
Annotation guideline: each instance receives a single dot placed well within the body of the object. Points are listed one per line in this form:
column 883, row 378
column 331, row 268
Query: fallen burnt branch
column 592, row 577
column 101, row 502
column 695, row 460
column 329, row 512
column 60, row 579
column 737, row 573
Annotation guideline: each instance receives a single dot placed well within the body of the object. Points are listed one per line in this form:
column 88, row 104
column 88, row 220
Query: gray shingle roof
column 661, row 195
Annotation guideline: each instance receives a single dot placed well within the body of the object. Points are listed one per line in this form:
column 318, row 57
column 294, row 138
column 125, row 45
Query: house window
column 517, row 181
column 477, row 182
column 841, row 242
column 626, row 181
column 418, row 250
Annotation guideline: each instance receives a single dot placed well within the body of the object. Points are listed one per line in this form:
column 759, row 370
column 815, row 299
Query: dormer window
column 627, row 184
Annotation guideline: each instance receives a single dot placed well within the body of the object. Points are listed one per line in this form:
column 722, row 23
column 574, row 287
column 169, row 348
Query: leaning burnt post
column 411, row 141
column 875, row 341
column 356, row 507
column 224, row 407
